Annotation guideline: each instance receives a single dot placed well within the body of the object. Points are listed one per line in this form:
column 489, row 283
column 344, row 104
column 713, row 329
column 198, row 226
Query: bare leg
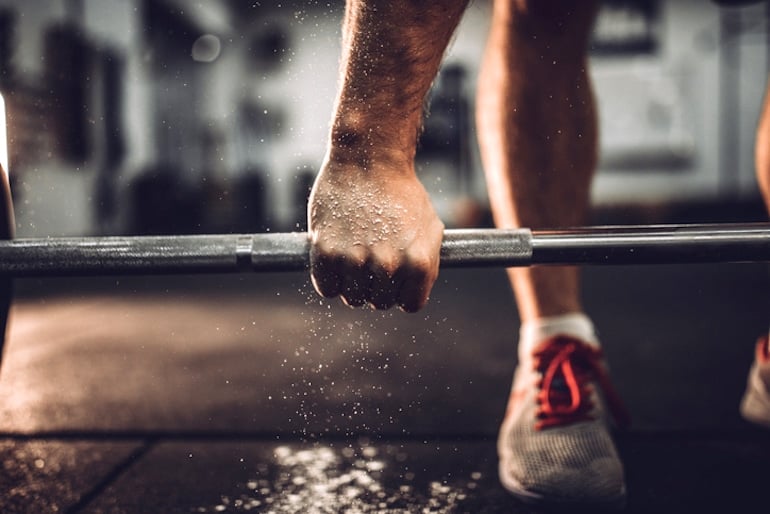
column 755, row 405
column 762, row 150
column 537, row 129
column 538, row 136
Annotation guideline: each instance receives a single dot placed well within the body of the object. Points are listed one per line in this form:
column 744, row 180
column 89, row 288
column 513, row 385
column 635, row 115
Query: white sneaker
column 554, row 444
column 755, row 405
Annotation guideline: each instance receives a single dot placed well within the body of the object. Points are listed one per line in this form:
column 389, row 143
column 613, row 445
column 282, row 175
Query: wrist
column 358, row 138
column 373, row 131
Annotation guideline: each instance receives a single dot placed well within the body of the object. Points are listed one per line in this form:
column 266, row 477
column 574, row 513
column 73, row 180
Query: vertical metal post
column 729, row 99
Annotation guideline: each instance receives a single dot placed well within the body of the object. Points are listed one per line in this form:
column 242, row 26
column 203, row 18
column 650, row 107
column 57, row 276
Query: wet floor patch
column 353, row 476
column 353, row 479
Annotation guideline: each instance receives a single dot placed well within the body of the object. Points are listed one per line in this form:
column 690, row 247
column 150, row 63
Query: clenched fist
column 375, row 237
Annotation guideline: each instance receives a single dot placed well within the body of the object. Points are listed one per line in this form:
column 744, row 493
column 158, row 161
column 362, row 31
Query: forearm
column 391, row 53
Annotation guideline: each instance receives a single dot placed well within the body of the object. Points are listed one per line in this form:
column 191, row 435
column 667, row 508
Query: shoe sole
column 755, row 405
column 754, row 411
column 612, row 504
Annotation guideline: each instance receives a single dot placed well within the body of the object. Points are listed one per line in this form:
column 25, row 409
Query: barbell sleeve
column 655, row 244
column 268, row 252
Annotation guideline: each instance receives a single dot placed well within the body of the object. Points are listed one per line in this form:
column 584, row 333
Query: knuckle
column 323, row 256
column 386, row 265
column 421, row 259
column 355, row 257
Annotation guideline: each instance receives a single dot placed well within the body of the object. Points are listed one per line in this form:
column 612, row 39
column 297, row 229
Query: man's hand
column 375, row 237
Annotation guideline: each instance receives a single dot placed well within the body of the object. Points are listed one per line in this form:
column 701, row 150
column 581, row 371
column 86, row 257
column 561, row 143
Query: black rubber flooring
column 249, row 393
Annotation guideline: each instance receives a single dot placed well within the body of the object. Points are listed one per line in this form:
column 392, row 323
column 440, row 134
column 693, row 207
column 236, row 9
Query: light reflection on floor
column 351, row 479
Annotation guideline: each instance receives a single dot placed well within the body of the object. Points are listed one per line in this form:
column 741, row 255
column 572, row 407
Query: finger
column 386, row 281
column 326, row 272
column 419, row 276
column 355, row 280
column 414, row 292
column 355, row 288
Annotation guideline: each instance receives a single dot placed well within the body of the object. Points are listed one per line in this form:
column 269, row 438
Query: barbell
column 267, row 252
column 227, row 253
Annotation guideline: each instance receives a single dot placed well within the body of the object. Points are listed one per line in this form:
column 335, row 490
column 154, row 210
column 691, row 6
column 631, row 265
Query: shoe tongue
column 558, row 384
column 559, row 389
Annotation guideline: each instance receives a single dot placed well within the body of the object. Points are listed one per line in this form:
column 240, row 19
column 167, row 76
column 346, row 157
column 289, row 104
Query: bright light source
column 3, row 137
column 206, row 48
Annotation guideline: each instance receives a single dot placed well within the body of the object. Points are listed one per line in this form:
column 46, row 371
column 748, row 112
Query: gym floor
column 249, row 393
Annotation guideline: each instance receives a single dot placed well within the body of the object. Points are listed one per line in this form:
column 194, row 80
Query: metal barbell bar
column 265, row 252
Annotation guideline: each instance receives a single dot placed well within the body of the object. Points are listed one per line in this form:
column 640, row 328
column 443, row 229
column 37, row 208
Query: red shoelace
column 567, row 367
column 763, row 350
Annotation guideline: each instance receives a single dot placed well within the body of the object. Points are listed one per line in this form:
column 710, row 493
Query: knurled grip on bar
column 225, row 253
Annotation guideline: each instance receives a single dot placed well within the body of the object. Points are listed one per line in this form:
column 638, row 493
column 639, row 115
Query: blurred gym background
column 177, row 116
